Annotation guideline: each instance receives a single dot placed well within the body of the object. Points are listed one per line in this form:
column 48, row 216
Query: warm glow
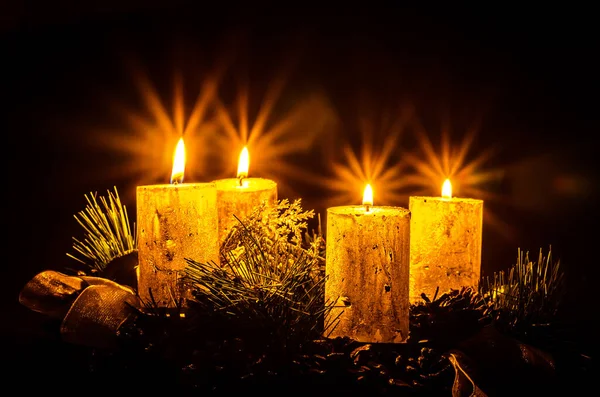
column 178, row 163
column 447, row 189
column 368, row 195
column 457, row 158
column 243, row 163
column 373, row 158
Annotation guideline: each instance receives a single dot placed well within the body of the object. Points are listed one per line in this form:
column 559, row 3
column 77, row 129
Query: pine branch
column 269, row 277
column 107, row 231
column 283, row 221
column 528, row 294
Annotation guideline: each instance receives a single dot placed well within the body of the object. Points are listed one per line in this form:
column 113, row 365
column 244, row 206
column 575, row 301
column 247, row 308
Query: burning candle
column 174, row 221
column 367, row 264
column 237, row 197
column 445, row 243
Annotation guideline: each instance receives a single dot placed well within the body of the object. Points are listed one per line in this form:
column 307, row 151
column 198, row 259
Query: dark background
column 530, row 76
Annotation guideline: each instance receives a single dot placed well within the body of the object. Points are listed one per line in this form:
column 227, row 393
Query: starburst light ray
column 378, row 162
column 432, row 165
column 279, row 136
column 142, row 150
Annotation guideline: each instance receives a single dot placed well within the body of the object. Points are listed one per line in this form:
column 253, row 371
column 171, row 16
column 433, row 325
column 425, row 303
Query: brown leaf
column 463, row 385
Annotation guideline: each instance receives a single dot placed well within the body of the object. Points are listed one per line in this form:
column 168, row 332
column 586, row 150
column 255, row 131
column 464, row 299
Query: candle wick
column 367, row 207
column 177, row 178
column 241, row 179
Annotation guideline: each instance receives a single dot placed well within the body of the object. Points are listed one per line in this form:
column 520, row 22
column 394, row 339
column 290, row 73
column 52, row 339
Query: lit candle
column 175, row 222
column 237, row 197
column 445, row 243
column 367, row 264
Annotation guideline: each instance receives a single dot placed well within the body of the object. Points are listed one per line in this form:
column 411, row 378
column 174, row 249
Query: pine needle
column 107, row 231
column 270, row 276
column 529, row 293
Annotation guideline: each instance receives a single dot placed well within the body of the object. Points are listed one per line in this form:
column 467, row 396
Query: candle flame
column 447, row 189
column 178, row 163
column 368, row 196
column 243, row 163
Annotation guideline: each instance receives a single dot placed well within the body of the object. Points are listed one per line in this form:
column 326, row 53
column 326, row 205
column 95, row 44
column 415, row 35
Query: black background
column 531, row 75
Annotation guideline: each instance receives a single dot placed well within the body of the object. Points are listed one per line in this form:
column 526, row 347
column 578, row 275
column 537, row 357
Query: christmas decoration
column 256, row 321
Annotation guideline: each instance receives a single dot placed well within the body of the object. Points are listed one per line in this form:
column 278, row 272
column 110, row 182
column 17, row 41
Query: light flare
column 431, row 167
column 377, row 164
column 140, row 149
column 282, row 134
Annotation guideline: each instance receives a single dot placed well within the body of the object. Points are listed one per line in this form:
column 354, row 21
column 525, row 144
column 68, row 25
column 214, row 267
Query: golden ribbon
column 92, row 309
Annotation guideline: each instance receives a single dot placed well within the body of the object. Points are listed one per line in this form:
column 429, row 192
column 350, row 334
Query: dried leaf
column 463, row 382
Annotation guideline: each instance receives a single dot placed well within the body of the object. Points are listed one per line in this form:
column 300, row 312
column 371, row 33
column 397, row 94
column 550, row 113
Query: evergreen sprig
column 108, row 233
column 270, row 282
column 271, row 224
column 528, row 294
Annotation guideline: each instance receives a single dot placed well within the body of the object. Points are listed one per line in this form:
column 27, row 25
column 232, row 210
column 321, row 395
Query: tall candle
column 238, row 197
column 367, row 264
column 175, row 221
column 445, row 243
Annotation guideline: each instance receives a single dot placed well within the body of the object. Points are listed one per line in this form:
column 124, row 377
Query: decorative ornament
column 92, row 309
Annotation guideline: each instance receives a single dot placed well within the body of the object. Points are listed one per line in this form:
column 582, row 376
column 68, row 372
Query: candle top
column 446, row 196
column 196, row 185
column 248, row 184
column 360, row 210
column 446, row 199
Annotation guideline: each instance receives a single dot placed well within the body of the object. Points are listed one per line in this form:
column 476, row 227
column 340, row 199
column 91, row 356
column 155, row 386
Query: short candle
column 175, row 222
column 367, row 270
column 238, row 197
column 445, row 243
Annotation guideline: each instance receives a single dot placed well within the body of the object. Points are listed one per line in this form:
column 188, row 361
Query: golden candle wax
column 174, row 222
column 445, row 243
column 367, row 270
column 237, row 197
